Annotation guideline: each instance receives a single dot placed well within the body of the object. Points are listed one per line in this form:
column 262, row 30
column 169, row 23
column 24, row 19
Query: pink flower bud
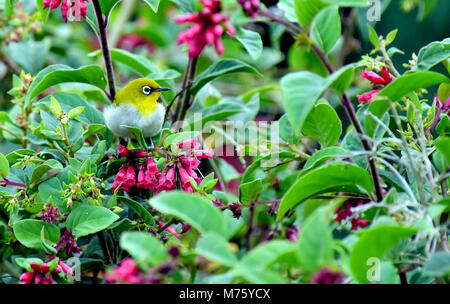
column 57, row 270
column 35, row 266
column 119, row 178
column 27, row 277
column 386, row 76
column 373, row 77
column 368, row 96
column 130, row 177
column 45, row 268
column 66, row 268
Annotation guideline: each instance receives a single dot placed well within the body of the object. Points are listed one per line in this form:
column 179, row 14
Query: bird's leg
column 151, row 146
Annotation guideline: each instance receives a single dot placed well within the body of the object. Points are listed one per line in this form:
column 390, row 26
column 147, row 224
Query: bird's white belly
column 127, row 115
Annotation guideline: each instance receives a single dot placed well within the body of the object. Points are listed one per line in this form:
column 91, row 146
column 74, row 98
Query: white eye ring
column 146, row 90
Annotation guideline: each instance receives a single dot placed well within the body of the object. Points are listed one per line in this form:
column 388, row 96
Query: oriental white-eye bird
column 136, row 105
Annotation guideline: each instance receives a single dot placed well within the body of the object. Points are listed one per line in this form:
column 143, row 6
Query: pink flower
column 130, row 178
column 51, row 3
column 192, row 162
column 203, row 154
column 292, row 233
column 78, row 7
column 66, row 268
column 120, row 177
column 67, row 243
column 166, row 180
column 27, row 277
column 250, row 7
column 189, row 144
column 368, row 96
column 208, row 28
column 151, row 167
column 169, row 230
column 386, row 76
column 373, row 77
column 342, row 213
column 122, row 150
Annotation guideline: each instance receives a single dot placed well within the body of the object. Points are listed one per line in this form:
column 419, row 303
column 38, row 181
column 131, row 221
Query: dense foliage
column 280, row 160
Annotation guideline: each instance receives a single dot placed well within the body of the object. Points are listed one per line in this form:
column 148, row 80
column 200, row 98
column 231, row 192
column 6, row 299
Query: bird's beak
column 161, row 89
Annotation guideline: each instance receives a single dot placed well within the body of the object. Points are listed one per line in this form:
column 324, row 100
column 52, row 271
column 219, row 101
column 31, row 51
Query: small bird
column 136, row 105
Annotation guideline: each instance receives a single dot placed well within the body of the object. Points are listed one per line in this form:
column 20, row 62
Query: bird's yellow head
column 143, row 93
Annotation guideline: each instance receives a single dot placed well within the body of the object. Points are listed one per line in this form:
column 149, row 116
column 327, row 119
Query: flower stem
column 346, row 103
column 184, row 104
column 105, row 49
column 6, row 182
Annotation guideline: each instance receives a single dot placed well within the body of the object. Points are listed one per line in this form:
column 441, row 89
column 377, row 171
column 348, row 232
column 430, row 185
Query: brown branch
column 105, row 49
column 184, row 104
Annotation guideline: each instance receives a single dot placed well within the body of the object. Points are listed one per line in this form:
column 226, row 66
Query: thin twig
column 184, row 104
column 102, row 22
column 250, row 227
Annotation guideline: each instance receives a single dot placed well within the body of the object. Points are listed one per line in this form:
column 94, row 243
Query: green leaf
column 145, row 248
column 107, row 5
column 28, row 232
column 287, row 6
column 248, row 192
column 391, row 37
column 221, row 68
column 251, row 41
column 324, row 124
column 44, row 168
column 55, row 107
column 154, row 4
column 137, row 63
column 138, row 135
column 373, row 37
column 349, row 3
column 410, row 82
column 58, row 73
column 140, row 210
column 374, row 243
column 75, row 112
column 438, row 265
column 29, row 54
column 300, row 91
column 315, row 241
column 249, row 173
column 323, row 155
column 193, row 209
column 216, row 112
column 432, row 54
column 326, row 28
column 336, row 177
column 4, row 166
column 94, row 129
column 255, row 266
column 86, row 220
column 44, row 12
column 215, row 248
column 186, row 6
column 306, row 10
column 443, row 145
column 286, row 132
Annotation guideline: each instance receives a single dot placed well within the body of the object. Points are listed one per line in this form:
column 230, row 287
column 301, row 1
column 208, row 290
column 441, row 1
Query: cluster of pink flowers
column 67, row 244
column 250, row 7
column 327, row 276
column 78, row 7
column 209, row 25
column 50, row 214
column 343, row 212
column 43, row 274
column 378, row 82
column 182, row 167
column 127, row 272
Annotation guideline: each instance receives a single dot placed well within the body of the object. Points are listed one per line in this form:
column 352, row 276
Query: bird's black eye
column 146, row 90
